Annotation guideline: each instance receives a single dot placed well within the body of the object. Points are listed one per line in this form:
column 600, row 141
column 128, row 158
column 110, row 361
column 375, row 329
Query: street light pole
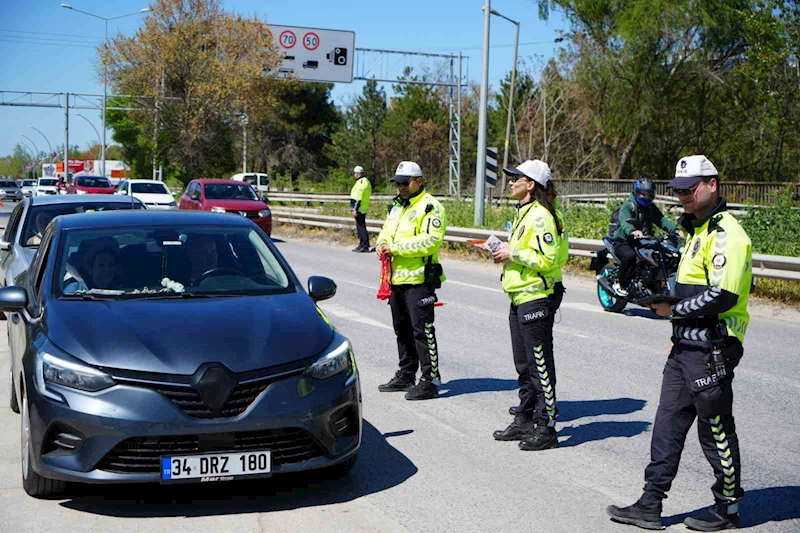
column 105, row 71
column 480, row 170
column 49, row 147
column 92, row 125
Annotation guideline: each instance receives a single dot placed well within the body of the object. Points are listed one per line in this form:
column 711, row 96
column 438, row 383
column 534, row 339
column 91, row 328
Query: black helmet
column 644, row 191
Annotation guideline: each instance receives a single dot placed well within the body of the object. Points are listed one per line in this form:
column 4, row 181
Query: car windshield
column 39, row 216
column 6, row 184
column 167, row 262
column 93, row 181
column 229, row 191
column 48, row 182
column 149, row 188
column 28, row 183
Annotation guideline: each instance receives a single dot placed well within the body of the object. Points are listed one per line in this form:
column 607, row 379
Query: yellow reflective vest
column 361, row 193
column 414, row 233
column 533, row 265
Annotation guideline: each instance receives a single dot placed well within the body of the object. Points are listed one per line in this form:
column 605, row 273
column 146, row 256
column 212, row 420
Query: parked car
column 215, row 364
column 227, row 196
column 259, row 182
column 9, row 190
column 90, row 185
column 153, row 193
column 45, row 186
column 28, row 220
column 28, row 187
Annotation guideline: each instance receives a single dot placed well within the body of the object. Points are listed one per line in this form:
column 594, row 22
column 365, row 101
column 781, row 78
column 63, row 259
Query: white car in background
column 28, row 187
column 45, row 186
column 152, row 193
column 258, row 181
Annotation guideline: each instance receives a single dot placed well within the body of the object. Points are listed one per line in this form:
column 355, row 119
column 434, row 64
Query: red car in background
column 227, row 196
column 90, row 185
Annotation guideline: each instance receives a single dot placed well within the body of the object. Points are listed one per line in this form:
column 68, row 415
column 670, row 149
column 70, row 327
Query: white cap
column 407, row 169
column 358, row 169
column 690, row 169
column 534, row 169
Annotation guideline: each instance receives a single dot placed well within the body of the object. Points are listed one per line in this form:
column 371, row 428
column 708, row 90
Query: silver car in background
column 9, row 190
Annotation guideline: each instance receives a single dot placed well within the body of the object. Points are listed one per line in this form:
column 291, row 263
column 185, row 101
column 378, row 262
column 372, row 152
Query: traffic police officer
column 530, row 271
column 359, row 206
column 708, row 327
column 411, row 236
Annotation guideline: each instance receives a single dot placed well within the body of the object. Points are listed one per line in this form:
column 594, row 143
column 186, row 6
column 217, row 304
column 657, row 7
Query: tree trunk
column 622, row 165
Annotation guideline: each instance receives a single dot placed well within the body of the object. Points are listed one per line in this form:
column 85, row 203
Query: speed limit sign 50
column 311, row 41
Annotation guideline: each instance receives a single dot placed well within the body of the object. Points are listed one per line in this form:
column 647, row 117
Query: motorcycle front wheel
column 608, row 299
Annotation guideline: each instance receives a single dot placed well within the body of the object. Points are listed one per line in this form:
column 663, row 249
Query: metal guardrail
column 764, row 266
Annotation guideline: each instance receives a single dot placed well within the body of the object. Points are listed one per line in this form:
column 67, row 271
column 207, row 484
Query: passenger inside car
column 42, row 220
column 95, row 266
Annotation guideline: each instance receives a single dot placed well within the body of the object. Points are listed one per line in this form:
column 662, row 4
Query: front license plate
column 215, row 467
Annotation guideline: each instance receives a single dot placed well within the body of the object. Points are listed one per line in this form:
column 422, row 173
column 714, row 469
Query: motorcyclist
column 640, row 207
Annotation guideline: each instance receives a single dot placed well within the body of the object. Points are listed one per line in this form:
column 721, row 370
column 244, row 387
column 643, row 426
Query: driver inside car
column 202, row 254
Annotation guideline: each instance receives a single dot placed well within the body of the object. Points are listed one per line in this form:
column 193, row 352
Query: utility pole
column 66, row 137
column 480, row 170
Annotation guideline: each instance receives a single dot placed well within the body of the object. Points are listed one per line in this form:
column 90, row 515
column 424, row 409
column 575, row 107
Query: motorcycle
column 654, row 277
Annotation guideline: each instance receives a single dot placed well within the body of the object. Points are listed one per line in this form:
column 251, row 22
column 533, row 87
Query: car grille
column 191, row 403
column 250, row 214
column 142, row 455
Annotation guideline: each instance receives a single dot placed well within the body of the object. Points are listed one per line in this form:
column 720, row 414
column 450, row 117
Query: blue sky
column 44, row 47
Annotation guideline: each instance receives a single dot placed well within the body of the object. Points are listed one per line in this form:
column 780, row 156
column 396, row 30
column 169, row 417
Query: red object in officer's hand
column 385, row 286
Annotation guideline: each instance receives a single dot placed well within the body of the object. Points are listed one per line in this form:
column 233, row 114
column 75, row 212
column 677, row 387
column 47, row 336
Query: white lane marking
column 348, row 314
column 370, row 287
column 483, row 287
column 580, row 306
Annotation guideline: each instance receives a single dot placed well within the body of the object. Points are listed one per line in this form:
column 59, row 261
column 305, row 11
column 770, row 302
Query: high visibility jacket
column 414, row 231
column 534, row 244
column 360, row 195
column 714, row 278
column 563, row 243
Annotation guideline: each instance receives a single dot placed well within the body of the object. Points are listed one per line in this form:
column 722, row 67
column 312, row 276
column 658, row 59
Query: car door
column 7, row 244
column 185, row 198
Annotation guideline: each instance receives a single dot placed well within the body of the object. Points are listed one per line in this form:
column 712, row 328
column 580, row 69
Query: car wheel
column 12, row 403
column 340, row 470
column 34, row 484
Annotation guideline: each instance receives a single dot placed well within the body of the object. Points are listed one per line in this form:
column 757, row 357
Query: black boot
column 541, row 438
column 517, row 429
column 424, row 390
column 513, row 410
column 400, row 382
column 713, row 519
column 635, row 516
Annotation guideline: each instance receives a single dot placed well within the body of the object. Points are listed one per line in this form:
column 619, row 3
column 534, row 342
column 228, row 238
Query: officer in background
column 359, row 206
column 641, row 207
column 530, row 270
column 411, row 236
column 708, row 328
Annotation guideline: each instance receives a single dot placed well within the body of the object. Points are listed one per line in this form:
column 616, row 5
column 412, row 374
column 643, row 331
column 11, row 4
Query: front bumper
column 125, row 429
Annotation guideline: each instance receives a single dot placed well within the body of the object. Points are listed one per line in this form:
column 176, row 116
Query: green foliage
column 775, row 230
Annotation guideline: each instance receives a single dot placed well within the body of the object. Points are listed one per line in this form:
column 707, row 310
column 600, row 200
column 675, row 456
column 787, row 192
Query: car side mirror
column 321, row 288
column 13, row 299
column 5, row 246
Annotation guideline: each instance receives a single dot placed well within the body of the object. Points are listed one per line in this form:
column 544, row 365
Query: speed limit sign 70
column 311, row 41
column 288, row 39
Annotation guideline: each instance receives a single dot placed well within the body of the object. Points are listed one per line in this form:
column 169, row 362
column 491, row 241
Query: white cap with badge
column 534, row 169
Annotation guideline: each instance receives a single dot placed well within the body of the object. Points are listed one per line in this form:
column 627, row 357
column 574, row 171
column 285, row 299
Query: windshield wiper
column 92, row 297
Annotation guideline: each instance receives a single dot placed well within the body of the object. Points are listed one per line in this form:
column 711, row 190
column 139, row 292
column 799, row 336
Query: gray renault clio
column 174, row 347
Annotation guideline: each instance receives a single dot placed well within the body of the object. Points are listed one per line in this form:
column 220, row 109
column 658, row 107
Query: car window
column 252, row 179
column 93, row 181
column 39, row 216
column 40, row 263
column 229, row 191
column 28, row 183
column 264, row 180
column 6, row 184
column 48, row 182
column 13, row 223
column 160, row 261
column 149, row 188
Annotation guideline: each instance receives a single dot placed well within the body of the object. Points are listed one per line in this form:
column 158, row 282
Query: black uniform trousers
column 412, row 317
column 361, row 229
column 531, row 325
column 627, row 258
column 690, row 389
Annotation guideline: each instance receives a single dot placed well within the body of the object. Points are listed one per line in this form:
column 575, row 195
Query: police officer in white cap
column 411, row 236
column 531, row 268
column 359, row 206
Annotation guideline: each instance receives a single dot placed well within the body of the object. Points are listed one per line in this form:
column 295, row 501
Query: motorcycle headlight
column 264, row 213
column 71, row 373
column 218, row 210
column 333, row 362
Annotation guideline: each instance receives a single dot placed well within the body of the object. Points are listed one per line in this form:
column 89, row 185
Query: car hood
column 237, row 205
column 151, row 198
column 177, row 336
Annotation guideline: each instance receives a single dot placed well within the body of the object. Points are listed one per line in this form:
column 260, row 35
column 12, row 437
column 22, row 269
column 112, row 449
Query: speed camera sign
column 311, row 54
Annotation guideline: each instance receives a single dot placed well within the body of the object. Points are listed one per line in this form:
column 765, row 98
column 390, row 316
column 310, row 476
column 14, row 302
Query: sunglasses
column 687, row 192
column 513, row 178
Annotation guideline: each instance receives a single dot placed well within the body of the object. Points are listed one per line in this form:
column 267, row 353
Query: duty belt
column 699, row 332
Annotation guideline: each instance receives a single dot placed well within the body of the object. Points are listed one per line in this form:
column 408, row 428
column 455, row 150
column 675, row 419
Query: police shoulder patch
column 718, row 261
column 436, row 223
column 548, row 238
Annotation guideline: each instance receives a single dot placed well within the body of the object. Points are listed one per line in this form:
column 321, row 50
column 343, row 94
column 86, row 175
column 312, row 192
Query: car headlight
column 80, row 192
column 71, row 373
column 264, row 213
column 336, row 360
column 218, row 210
column 173, row 204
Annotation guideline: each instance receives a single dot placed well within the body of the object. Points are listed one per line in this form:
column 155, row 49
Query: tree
column 202, row 68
